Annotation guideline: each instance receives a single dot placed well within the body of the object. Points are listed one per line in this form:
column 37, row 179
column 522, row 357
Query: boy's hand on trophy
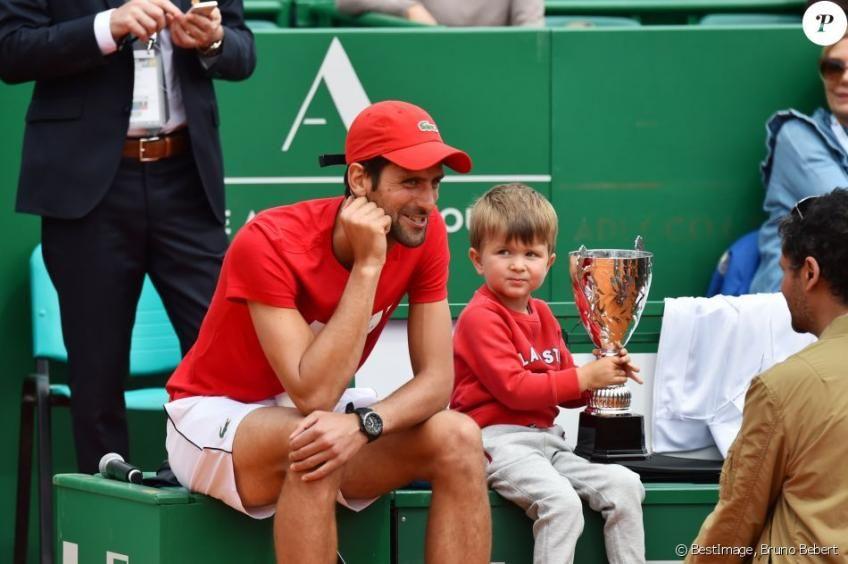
column 631, row 369
column 606, row 371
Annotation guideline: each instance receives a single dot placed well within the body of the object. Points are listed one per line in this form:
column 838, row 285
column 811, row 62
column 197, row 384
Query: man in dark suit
column 127, row 181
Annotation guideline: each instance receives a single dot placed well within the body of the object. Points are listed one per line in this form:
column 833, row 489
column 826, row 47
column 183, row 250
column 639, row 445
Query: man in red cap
column 261, row 416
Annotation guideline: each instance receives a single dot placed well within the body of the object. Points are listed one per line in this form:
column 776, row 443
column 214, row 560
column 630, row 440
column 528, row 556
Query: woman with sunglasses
column 807, row 156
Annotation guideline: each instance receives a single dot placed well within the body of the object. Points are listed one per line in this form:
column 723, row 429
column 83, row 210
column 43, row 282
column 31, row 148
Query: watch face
column 373, row 424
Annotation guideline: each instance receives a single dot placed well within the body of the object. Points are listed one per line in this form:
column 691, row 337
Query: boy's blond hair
column 516, row 212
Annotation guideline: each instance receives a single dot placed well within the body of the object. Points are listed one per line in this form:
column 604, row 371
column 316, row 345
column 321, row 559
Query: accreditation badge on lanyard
column 150, row 102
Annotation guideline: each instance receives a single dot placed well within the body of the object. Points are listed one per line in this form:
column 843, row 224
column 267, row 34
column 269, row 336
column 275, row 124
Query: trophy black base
column 611, row 438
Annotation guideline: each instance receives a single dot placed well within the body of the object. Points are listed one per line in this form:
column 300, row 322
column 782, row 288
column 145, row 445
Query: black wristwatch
column 369, row 422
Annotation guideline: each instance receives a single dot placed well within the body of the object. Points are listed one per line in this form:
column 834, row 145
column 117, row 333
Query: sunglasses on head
column 802, row 205
column 832, row 70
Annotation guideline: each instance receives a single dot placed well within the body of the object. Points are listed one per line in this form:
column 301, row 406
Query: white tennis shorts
column 199, row 441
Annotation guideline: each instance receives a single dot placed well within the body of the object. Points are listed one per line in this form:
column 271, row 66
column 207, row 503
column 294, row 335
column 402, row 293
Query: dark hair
column 820, row 231
column 373, row 168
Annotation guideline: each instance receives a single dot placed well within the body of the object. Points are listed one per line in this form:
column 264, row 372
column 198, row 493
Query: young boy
column 513, row 371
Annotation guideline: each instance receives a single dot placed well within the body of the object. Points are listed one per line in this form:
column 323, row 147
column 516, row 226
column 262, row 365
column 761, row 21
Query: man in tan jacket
column 784, row 485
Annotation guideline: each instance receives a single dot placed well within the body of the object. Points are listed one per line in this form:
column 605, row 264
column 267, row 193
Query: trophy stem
column 610, row 401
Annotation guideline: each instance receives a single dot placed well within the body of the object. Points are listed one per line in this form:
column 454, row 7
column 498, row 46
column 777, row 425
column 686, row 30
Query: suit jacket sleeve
column 237, row 58
column 34, row 47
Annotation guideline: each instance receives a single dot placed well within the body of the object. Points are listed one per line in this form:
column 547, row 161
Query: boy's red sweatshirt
column 511, row 368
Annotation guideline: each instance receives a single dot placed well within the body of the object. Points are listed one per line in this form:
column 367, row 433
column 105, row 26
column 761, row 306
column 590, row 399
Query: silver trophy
column 610, row 291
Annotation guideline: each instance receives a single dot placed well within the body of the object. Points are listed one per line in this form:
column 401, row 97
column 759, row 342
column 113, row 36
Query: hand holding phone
column 204, row 8
column 199, row 28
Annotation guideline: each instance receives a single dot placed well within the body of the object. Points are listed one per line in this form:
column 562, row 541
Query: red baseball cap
column 401, row 132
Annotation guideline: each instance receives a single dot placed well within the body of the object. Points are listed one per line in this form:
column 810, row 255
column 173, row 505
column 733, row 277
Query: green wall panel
column 660, row 132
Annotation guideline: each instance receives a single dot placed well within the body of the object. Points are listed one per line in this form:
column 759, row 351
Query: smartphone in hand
column 204, row 8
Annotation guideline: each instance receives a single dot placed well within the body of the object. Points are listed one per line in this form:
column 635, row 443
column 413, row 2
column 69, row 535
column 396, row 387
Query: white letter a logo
column 345, row 89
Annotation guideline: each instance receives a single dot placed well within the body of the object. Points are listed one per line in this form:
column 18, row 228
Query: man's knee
column 456, row 445
column 322, row 491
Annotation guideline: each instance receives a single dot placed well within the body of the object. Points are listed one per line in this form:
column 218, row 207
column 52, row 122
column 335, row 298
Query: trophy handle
column 582, row 252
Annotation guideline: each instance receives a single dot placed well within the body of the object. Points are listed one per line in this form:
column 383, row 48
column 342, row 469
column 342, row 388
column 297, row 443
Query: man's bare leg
column 446, row 450
column 305, row 522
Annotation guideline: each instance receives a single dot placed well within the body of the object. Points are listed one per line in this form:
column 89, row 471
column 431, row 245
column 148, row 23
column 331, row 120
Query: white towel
column 709, row 351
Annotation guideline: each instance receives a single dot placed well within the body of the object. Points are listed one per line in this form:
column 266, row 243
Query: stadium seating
column 154, row 350
column 323, row 13
column 664, row 12
column 593, row 13
column 277, row 12
column 589, row 21
column 751, row 19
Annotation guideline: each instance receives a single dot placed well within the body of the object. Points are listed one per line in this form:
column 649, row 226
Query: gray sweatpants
column 536, row 470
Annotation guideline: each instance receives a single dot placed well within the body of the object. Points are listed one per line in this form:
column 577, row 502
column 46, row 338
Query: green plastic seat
column 256, row 25
column 276, row 12
column 750, row 19
column 589, row 21
column 323, row 13
column 145, row 399
column 154, row 350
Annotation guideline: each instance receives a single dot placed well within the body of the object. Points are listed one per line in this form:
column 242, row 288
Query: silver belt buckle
column 141, row 142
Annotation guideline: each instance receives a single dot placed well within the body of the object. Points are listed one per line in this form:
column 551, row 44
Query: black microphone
column 113, row 466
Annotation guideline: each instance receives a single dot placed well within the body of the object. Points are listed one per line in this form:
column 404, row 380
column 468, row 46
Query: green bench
column 96, row 517
column 103, row 520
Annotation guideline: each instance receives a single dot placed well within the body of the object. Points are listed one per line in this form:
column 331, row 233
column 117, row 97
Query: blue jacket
column 804, row 159
column 736, row 267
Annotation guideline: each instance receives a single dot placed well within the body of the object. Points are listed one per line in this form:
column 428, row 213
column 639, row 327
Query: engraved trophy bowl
column 610, row 290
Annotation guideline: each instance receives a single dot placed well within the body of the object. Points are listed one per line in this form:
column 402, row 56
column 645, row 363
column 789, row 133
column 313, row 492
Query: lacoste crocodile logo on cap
column 425, row 125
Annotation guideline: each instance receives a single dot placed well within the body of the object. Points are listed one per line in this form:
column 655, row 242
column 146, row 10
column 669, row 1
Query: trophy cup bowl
column 610, row 291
